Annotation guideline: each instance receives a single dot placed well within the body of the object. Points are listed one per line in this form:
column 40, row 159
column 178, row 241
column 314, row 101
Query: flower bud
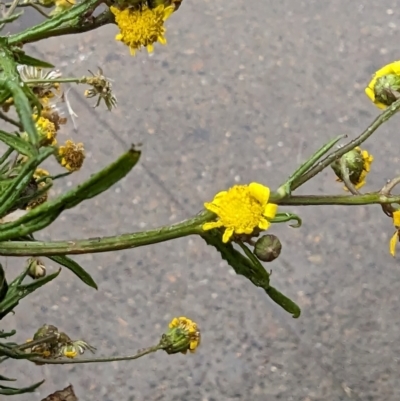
column 357, row 162
column 36, row 268
column 387, row 89
column 268, row 248
column 183, row 335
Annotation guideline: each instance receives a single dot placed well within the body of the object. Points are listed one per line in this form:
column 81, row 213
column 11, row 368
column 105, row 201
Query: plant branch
column 382, row 118
column 139, row 354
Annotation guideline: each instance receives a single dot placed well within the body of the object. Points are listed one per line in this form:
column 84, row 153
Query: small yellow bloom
column 241, row 210
column 141, row 27
column 191, row 330
column 367, row 161
column 46, row 130
column 392, row 69
column 396, row 236
column 69, row 351
column 61, row 6
column 71, row 155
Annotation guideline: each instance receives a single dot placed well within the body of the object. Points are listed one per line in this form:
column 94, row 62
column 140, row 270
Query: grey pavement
column 244, row 91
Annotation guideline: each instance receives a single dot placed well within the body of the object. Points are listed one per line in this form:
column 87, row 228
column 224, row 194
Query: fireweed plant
column 233, row 222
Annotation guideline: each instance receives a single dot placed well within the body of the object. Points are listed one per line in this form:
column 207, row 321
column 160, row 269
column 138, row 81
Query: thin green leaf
column 44, row 214
column 284, row 302
column 24, row 110
column 17, row 143
column 3, row 284
column 15, row 391
column 34, row 285
column 76, row 269
column 29, row 60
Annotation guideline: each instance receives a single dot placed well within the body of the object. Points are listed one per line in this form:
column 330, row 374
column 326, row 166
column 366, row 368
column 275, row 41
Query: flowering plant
column 31, row 99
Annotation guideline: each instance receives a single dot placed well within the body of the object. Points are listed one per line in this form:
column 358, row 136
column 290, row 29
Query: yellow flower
column 390, row 70
column 71, row 155
column 396, row 236
column 191, row 332
column 46, row 130
column 61, row 6
column 141, row 27
column 241, row 210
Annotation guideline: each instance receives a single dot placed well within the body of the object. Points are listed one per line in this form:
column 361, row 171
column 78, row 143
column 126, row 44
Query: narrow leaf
column 15, row 391
column 76, row 269
column 17, row 143
column 34, row 285
column 284, row 302
column 7, row 379
column 29, row 60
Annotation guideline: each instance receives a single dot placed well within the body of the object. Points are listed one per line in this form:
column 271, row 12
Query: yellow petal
column 212, row 207
column 211, row 225
column 260, row 192
column 396, row 218
column 393, row 242
column 270, row 211
column 162, row 40
column 168, row 11
column 150, row 48
column 263, row 224
column 227, row 235
column 370, row 93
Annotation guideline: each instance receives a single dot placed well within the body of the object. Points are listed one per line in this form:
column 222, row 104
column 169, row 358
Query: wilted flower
column 46, row 130
column 243, row 209
column 101, row 87
column 71, row 155
column 141, row 27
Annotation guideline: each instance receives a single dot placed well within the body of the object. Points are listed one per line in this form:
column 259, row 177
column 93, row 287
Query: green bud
column 268, row 248
column 176, row 340
column 354, row 163
column 36, row 268
column 387, row 89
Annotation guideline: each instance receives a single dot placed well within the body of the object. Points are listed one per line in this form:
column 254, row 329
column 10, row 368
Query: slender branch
column 106, row 244
column 139, row 354
column 348, row 200
column 382, row 118
column 9, row 12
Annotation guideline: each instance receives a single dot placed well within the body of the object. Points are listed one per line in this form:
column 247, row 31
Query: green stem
column 106, row 244
column 348, row 200
column 81, row 80
column 382, row 118
column 58, row 26
column 139, row 354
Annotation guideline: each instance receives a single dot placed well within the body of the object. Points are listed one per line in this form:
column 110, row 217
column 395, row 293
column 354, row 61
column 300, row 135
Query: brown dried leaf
column 62, row 395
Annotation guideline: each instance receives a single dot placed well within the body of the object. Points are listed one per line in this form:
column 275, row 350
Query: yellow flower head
column 396, row 236
column 383, row 83
column 141, row 27
column 191, row 331
column 241, row 210
column 46, row 130
column 71, row 155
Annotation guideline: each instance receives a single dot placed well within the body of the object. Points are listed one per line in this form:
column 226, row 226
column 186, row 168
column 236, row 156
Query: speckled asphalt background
column 244, row 91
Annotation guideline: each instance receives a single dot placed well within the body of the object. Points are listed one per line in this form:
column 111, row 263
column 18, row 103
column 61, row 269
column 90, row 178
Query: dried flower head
column 46, row 130
column 71, row 155
column 141, row 27
column 101, row 87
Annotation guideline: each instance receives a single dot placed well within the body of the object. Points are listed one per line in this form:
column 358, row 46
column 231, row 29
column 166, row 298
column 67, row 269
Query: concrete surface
column 244, row 91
